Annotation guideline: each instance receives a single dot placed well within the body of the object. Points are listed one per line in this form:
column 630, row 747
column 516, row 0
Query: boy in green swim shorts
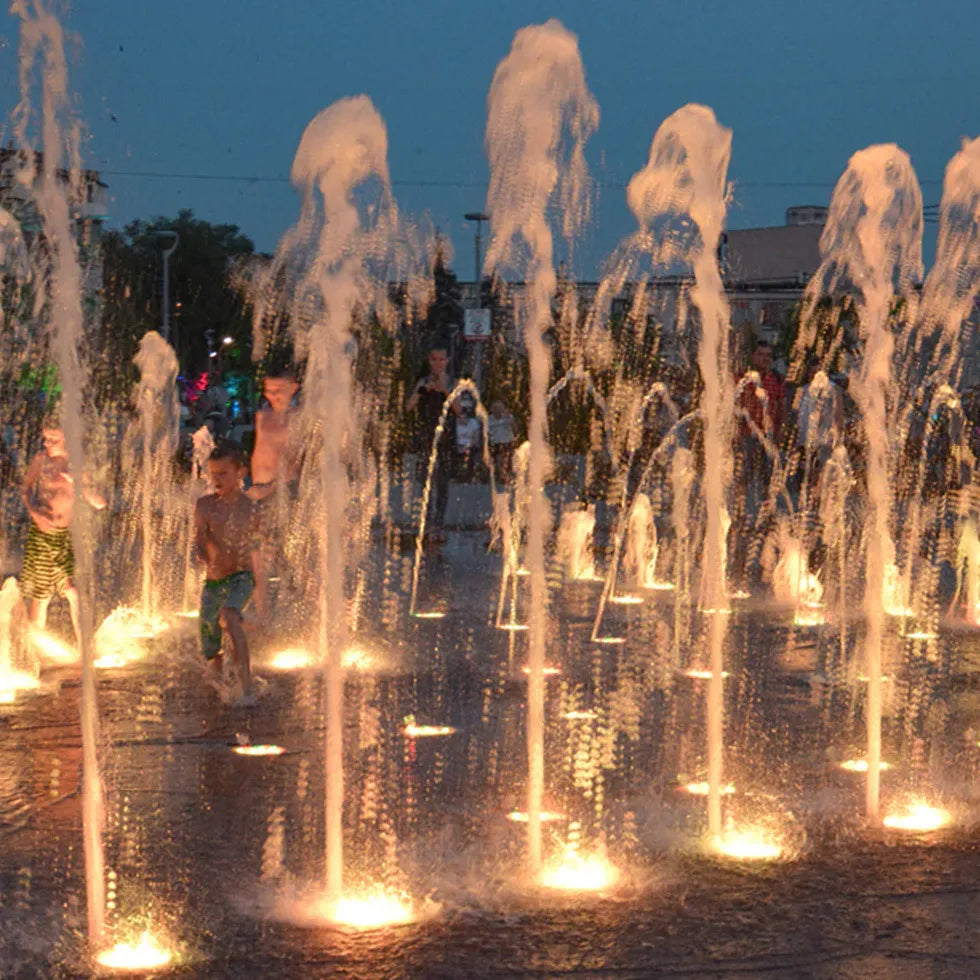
column 228, row 540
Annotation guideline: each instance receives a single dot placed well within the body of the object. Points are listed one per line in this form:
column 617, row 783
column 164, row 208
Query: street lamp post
column 174, row 239
column 479, row 217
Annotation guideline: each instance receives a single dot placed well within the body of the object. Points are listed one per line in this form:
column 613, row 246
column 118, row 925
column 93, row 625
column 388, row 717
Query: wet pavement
column 203, row 843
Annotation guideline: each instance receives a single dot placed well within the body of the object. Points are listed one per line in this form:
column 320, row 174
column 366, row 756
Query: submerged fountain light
column 609, row 640
column 513, row 627
column 431, row 614
column 748, row 844
column 546, row 670
column 260, row 749
column 146, row 954
column 579, row 715
column 292, row 658
column 809, row 614
column 922, row 635
column 14, row 682
column 625, row 599
column 702, row 789
column 917, row 817
column 50, row 647
column 358, row 658
column 375, row 908
column 575, row 871
column 861, row 765
column 547, row 816
column 702, row 673
column 412, row 730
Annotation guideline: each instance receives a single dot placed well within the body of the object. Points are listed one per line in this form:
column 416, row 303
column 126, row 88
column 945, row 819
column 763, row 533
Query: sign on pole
column 476, row 324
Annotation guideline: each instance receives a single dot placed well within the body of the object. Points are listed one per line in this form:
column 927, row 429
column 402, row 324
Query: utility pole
column 479, row 217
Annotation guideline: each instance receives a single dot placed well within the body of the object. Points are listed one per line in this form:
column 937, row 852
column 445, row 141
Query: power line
column 460, row 184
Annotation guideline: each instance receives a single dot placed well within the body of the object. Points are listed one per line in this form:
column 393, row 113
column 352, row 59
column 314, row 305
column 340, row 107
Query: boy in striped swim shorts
column 48, row 493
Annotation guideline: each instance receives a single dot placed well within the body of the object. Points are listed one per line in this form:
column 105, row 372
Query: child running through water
column 228, row 541
column 48, row 493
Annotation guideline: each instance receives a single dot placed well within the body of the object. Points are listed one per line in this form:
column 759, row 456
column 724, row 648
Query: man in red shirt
column 761, row 414
column 768, row 412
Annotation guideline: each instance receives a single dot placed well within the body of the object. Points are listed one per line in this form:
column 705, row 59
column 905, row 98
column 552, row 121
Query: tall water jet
column 155, row 437
column 537, row 92
column 679, row 201
column 41, row 38
column 930, row 361
column 871, row 248
column 641, row 544
column 342, row 148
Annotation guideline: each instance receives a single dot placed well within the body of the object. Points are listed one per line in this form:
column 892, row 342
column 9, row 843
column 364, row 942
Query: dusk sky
column 181, row 99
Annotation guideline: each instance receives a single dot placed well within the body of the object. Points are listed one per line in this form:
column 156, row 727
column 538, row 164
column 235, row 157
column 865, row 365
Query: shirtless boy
column 48, row 493
column 275, row 459
column 227, row 538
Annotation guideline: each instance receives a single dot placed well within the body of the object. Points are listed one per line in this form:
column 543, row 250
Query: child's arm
column 200, row 532
column 93, row 499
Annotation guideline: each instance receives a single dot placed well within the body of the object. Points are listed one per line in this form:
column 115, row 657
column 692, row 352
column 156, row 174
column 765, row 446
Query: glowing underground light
column 579, row 715
column 660, row 586
column 751, row 844
column 376, row 909
column 918, row 817
column 411, row 730
column 357, row 658
column 51, row 648
column 547, row 816
column 258, row 750
column 702, row 674
column 292, row 658
column 432, row 614
column 547, row 671
column 146, row 954
column 702, row 789
column 809, row 615
column 861, row 765
column 626, row 599
column 574, row 871
column 13, row 682
column 513, row 627
column 610, row 640
column 922, row 635
column 738, row 594
column 189, row 614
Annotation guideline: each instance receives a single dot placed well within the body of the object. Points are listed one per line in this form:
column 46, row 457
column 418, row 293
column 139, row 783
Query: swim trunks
column 232, row 591
column 49, row 563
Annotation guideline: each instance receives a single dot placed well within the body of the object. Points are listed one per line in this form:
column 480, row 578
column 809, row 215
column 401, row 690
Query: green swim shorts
column 232, row 591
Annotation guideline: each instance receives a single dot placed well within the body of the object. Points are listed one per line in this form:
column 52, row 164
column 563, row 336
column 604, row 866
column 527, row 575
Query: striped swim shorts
column 49, row 563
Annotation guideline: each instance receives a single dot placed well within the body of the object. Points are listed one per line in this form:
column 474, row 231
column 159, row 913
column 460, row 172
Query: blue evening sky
column 224, row 89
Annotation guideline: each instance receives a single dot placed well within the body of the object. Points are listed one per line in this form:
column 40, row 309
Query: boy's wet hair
column 229, row 450
column 52, row 418
column 285, row 371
